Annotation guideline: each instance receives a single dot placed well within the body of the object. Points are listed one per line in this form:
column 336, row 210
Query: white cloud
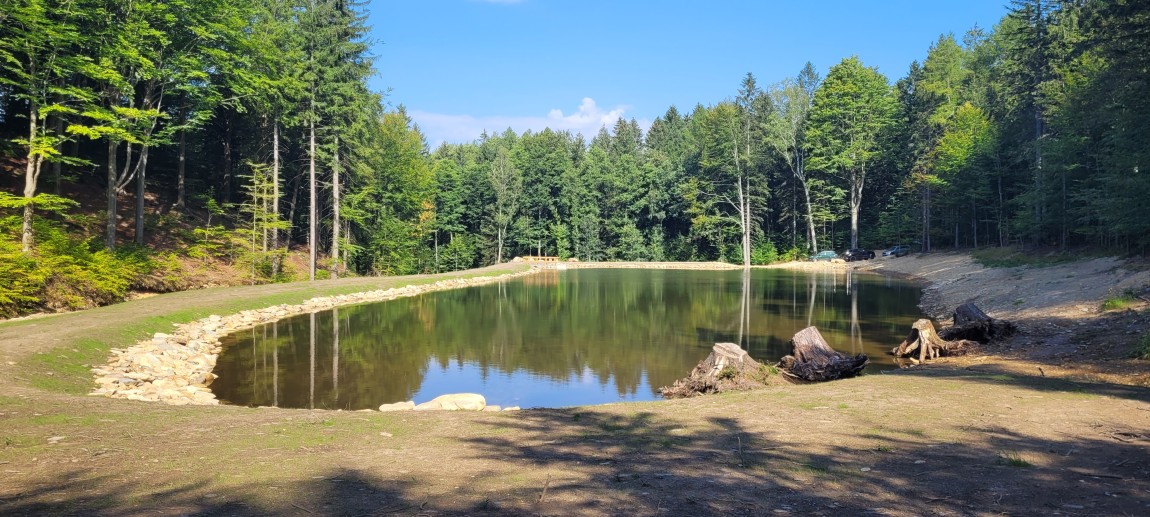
column 440, row 127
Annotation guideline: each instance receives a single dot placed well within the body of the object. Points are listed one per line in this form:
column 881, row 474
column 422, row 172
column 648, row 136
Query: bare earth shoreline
column 1054, row 422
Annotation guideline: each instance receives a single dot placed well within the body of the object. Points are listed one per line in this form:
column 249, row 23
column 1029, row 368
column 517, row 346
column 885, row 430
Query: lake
column 557, row 338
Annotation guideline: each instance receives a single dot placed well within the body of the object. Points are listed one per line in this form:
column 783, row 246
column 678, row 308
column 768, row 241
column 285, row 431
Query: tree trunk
column 974, row 226
column 927, row 344
column 30, row 174
column 810, row 219
column 143, row 167
column 335, row 213
column 745, row 220
column 275, row 193
column 181, row 174
column 293, row 208
column 924, row 209
column 226, row 184
column 813, row 360
column 970, row 323
column 110, row 235
column 858, row 180
column 727, row 368
column 312, row 226
column 854, row 224
column 499, row 246
column 57, row 166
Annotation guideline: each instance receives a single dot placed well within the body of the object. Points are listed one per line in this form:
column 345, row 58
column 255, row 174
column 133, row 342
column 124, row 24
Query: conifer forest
column 136, row 135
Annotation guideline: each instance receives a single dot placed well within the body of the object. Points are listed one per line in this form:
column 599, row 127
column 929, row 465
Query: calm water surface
column 558, row 338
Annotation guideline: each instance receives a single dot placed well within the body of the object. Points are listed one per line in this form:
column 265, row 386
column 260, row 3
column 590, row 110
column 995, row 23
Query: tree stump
column 727, row 368
column 926, row 343
column 812, row 359
column 970, row 323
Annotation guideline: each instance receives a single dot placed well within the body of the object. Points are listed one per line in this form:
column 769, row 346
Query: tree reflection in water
column 563, row 338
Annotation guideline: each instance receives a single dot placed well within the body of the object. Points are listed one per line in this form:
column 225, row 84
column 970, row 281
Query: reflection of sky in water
column 554, row 340
column 524, row 389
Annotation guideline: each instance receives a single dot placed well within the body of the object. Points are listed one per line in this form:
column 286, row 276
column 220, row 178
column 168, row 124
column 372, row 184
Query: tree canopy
column 252, row 122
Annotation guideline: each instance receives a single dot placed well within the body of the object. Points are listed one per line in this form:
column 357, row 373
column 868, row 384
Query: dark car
column 824, row 255
column 897, row 251
column 858, row 254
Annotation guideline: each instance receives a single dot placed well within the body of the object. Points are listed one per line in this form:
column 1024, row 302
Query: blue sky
column 462, row 66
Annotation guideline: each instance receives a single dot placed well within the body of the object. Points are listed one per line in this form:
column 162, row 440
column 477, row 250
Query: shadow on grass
column 340, row 493
column 1001, row 374
column 649, row 464
column 608, row 461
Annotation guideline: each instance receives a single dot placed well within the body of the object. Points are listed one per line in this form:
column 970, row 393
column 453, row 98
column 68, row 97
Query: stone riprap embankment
column 176, row 368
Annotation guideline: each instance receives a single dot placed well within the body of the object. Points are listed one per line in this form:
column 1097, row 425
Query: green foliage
column 1014, row 459
column 764, row 253
column 852, row 110
column 64, row 273
column 214, row 241
column 459, row 253
column 1120, row 301
column 21, row 280
column 1030, row 133
column 42, row 202
column 793, row 254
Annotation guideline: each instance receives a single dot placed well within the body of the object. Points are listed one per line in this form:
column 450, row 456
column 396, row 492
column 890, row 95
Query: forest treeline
column 251, row 126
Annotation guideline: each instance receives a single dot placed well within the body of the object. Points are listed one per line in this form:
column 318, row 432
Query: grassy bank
column 55, row 352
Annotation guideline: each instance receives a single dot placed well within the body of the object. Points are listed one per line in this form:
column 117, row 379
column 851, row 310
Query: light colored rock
column 398, row 406
column 492, row 408
column 511, row 408
column 454, row 402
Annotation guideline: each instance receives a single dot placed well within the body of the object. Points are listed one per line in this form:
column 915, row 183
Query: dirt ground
column 1054, row 422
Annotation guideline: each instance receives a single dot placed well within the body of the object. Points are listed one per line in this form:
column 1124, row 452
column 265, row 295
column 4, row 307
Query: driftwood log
column 727, row 368
column 972, row 324
column 812, row 359
column 924, row 342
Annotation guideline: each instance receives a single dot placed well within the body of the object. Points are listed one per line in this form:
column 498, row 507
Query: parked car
column 897, row 251
column 858, row 254
column 824, row 256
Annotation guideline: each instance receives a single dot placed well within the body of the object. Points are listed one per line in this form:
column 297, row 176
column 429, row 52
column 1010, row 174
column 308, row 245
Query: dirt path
column 981, row 437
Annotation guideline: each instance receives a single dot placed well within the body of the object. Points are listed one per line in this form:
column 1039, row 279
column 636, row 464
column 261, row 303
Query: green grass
column 1122, row 301
column 66, row 368
column 83, row 421
column 1014, row 459
column 1012, row 257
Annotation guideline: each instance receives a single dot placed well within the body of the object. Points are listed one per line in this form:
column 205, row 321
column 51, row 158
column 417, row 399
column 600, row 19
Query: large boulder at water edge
column 454, row 402
column 398, row 406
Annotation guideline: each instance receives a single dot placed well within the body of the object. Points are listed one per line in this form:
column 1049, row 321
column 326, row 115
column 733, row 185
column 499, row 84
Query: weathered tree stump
column 970, row 323
column 926, row 343
column 727, row 368
column 812, row 359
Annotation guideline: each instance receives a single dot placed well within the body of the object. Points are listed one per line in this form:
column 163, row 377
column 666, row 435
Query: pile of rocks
column 177, row 368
